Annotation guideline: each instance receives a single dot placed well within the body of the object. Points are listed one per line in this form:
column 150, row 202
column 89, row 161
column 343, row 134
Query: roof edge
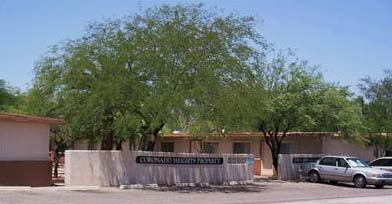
column 244, row 134
column 29, row 118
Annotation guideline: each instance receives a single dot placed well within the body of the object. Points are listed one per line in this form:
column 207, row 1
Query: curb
column 15, row 188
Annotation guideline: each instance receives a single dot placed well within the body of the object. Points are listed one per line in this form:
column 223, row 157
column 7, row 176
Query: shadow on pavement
column 350, row 185
column 251, row 188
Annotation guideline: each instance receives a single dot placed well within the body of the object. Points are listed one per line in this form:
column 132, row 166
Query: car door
column 342, row 172
column 327, row 167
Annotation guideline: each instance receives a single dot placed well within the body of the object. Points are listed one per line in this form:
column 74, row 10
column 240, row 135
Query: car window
column 354, row 162
column 328, row 161
column 342, row 163
column 382, row 162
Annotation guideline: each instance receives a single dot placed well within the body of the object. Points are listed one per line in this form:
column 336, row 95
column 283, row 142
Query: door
column 327, row 168
column 342, row 171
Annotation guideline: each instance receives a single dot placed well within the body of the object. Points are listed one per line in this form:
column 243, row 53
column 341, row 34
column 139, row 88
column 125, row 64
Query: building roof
column 28, row 118
column 242, row 134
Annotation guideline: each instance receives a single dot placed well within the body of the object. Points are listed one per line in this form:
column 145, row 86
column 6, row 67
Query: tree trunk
column 376, row 152
column 56, row 159
column 275, row 162
column 154, row 136
column 56, row 169
column 119, row 146
column 149, row 142
column 107, row 141
column 274, row 144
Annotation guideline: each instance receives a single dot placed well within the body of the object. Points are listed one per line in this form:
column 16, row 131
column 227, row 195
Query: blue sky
column 348, row 39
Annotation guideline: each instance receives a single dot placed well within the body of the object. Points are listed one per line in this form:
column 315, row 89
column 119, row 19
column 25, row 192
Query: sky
column 347, row 39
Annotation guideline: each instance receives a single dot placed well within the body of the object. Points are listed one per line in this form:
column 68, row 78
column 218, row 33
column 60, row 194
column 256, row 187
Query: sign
column 179, row 160
column 240, row 160
column 301, row 160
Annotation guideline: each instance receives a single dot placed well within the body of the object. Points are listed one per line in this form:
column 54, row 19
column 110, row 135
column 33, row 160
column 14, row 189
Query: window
column 342, row 163
column 241, row 148
column 210, row 147
column 328, row 161
column 287, row 148
column 354, row 162
column 167, row 147
column 382, row 162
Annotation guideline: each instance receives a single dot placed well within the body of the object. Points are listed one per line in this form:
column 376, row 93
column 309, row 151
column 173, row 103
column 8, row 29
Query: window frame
column 342, row 159
column 202, row 150
column 288, row 143
column 165, row 143
column 324, row 158
column 242, row 143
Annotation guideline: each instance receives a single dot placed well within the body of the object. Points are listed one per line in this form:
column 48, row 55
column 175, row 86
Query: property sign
column 179, row 160
column 240, row 160
column 301, row 160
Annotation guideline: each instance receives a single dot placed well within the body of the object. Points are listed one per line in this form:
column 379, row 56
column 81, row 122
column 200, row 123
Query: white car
column 349, row 169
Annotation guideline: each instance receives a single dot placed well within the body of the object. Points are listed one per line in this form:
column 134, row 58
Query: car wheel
column 360, row 181
column 379, row 185
column 314, row 177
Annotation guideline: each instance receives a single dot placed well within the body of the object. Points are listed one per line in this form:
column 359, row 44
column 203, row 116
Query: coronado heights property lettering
column 179, row 160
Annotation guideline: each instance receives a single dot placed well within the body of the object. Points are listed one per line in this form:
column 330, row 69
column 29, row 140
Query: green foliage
column 290, row 95
column 377, row 103
column 381, row 143
column 377, row 110
column 183, row 68
column 9, row 97
column 129, row 78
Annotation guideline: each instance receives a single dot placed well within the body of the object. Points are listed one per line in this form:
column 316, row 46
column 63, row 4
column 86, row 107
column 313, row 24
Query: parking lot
column 264, row 191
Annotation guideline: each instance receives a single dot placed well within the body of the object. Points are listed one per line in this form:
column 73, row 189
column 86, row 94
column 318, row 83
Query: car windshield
column 354, row 162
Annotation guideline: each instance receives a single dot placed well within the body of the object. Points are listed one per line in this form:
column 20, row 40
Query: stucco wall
column 225, row 145
column 113, row 168
column 23, row 141
column 303, row 144
column 339, row 147
column 309, row 144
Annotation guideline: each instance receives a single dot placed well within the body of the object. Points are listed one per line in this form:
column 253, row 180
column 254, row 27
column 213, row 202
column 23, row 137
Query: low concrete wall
column 114, row 168
column 296, row 167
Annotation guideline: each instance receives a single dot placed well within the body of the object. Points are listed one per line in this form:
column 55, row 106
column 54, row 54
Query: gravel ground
column 260, row 192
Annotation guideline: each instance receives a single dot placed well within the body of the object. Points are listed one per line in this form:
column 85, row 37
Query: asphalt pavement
column 261, row 192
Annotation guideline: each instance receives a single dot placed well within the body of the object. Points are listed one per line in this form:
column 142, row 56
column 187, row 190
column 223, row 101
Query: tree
column 9, row 96
column 289, row 95
column 381, row 143
column 132, row 77
column 377, row 109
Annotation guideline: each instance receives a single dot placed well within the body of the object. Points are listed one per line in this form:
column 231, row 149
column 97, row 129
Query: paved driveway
column 260, row 192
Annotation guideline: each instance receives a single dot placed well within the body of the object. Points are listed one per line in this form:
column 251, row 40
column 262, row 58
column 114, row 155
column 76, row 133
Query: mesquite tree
column 377, row 110
column 292, row 96
column 129, row 78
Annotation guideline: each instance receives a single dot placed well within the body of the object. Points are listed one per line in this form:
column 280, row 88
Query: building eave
column 29, row 119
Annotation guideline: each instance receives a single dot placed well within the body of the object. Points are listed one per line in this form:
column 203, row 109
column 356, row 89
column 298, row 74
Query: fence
column 113, row 168
column 296, row 167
